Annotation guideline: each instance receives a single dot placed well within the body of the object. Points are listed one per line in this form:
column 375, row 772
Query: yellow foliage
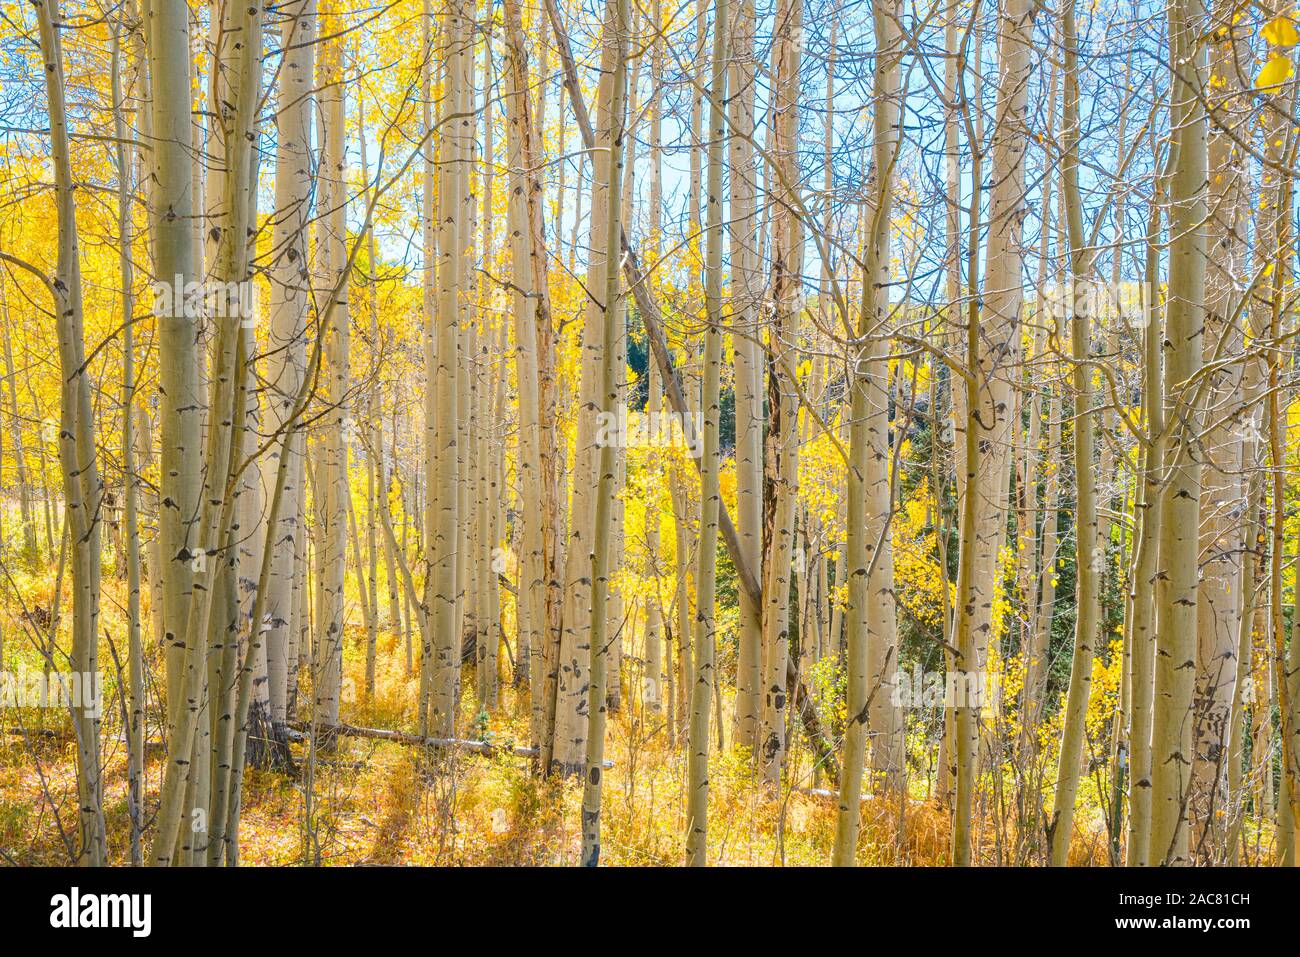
column 1280, row 32
column 1276, row 71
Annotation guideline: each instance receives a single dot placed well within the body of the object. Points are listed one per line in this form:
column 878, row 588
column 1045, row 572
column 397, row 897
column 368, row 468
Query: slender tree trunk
column 746, row 293
column 615, row 41
column 1089, row 552
column 872, row 640
column 1032, row 545
column 443, row 639
column 1177, row 573
column 1278, row 232
column 535, row 372
column 1218, row 609
column 290, row 284
column 953, row 75
column 783, row 436
column 125, row 159
column 82, row 488
column 572, row 693
column 992, row 348
column 334, row 328
column 704, row 678
column 30, row 546
column 1142, row 640
column 181, row 403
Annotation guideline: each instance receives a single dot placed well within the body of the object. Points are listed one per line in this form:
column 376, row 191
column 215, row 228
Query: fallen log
column 300, row 730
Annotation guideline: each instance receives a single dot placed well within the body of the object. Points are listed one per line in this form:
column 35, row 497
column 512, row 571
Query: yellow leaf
column 1276, row 71
column 1281, row 32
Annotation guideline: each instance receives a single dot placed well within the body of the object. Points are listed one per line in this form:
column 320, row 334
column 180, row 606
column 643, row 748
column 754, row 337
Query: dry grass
column 383, row 803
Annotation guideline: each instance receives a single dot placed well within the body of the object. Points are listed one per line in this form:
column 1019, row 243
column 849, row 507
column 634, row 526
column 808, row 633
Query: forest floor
column 378, row 802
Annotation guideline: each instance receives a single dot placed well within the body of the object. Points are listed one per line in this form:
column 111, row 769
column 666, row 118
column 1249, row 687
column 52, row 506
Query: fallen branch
column 37, row 732
column 68, row 735
column 825, row 793
column 812, row 725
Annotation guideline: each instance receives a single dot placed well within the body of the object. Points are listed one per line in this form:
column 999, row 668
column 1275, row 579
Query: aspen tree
column 1049, row 563
column 1036, row 563
column 1261, row 730
column 746, row 285
column 1218, row 607
column 694, row 250
column 652, row 682
column 818, row 611
column 1089, row 554
column 1027, row 539
column 486, row 639
column 188, row 781
column 362, row 578
column 1176, row 581
column 992, row 345
column 652, row 319
column 31, row 547
column 82, row 488
column 620, row 616
column 868, row 487
column 374, row 444
column 1278, row 233
column 1243, row 693
column 430, row 232
column 235, row 91
column 783, row 436
column 572, row 692
column 496, row 485
column 683, row 545
column 954, row 45
column 615, row 40
column 544, row 677
column 125, row 161
column 466, row 465
column 532, row 564
column 1142, row 641
column 236, row 718
column 232, row 799
column 334, row 325
column 442, row 643
column 383, row 479
column 704, row 677
column 653, row 692
column 429, row 198
column 884, row 719
column 252, row 642
column 1288, row 679
column 181, row 405
column 965, row 723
